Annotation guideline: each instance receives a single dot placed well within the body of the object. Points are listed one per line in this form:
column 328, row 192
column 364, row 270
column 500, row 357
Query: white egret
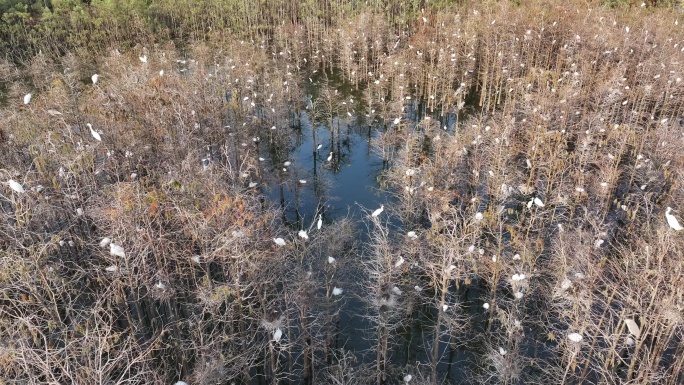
column 399, row 261
column 302, row 234
column 302, row 181
column 71, row 244
column 412, row 235
column 94, row 78
column 252, row 184
column 116, row 250
column 516, row 257
column 160, row 285
column 330, row 156
column 485, row 305
column 565, row 285
column 161, row 73
column 478, row 216
column 418, row 288
column 337, row 291
column 94, row 133
column 397, row 120
column 320, row 222
column 598, row 243
column 517, row 277
column 16, row 186
column 287, row 164
column 331, row 260
column 397, row 291
column 378, row 211
column 518, row 294
column 575, row 337
column 319, row 147
column 502, row 351
column 633, row 327
column 104, row 242
column 538, row 202
column 279, row 241
column 672, row 220
column 181, row 383
column 408, row 378
column 112, row 268
column 277, row 335
column 196, row 258
column 27, row 98
column 79, row 211
column 445, row 307
column 143, row 58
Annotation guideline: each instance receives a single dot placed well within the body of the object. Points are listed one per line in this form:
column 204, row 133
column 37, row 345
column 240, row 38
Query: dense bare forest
column 230, row 192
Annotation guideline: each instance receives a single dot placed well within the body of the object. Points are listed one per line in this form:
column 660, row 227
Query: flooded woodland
column 343, row 193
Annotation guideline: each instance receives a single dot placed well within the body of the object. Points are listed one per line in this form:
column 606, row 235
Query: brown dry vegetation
column 574, row 104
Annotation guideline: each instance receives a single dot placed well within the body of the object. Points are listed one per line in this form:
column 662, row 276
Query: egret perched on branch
column 672, row 221
column 378, row 211
column 302, row 234
column 94, row 133
column 116, row 250
column 27, row 98
column 94, row 78
column 320, row 222
column 143, row 58
column 399, row 261
column 633, row 327
column 575, row 337
column 407, row 378
column 105, row 241
column 330, row 156
column 16, row 186
column 279, row 241
column 331, row 260
column 277, row 335
column 337, row 291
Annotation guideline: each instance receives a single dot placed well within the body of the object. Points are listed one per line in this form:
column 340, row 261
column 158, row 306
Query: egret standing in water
column 378, row 211
column 672, row 220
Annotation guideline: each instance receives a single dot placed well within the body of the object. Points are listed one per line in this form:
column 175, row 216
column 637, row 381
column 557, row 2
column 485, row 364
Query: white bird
column 407, row 378
column 412, row 235
column 331, row 260
column 320, row 222
column 277, row 335
column 330, row 157
column 302, row 234
column 181, row 383
column 161, row 73
column 79, row 211
column 672, row 221
column 54, row 112
column 418, row 288
column 633, row 327
column 94, row 133
column 117, row 250
column 517, row 277
column 478, row 216
column 143, row 58
column 518, row 294
column 538, row 202
column 287, row 164
column 16, row 186
column 279, row 241
column 112, row 268
column 104, row 242
column 399, row 261
column 94, row 78
column 337, row 291
column 319, row 147
column 445, row 307
column 502, row 351
column 160, row 285
column 397, row 291
column 27, row 98
column 252, row 184
column 196, row 258
column 302, row 181
column 575, row 337
column 378, row 211
column 397, row 120
column 486, row 305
